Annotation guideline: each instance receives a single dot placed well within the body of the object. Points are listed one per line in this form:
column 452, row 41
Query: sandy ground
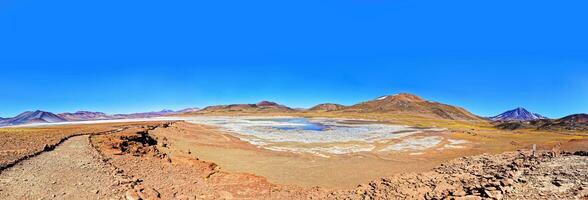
column 303, row 169
column 19, row 143
column 72, row 171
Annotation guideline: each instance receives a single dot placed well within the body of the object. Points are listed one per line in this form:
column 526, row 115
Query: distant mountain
column 187, row 110
column 575, row 122
column 31, row 117
column 85, row 115
column 88, row 115
column 410, row 104
column 47, row 117
column 575, row 119
column 327, row 107
column 407, row 104
column 145, row 114
column 261, row 107
column 517, row 114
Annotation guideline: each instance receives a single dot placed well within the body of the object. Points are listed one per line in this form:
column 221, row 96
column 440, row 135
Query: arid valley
column 392, row 147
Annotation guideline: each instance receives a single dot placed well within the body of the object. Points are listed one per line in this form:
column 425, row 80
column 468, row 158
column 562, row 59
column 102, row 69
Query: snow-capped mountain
column 518, row 114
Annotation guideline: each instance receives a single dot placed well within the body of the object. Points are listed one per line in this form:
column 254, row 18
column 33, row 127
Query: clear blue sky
column 129, row 56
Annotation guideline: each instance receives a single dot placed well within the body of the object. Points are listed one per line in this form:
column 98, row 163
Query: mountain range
column 403, row 103
column 517, row 114
column 31, row 117
column 261, row 107
column 411, row 104
column 399, row 104
column 575, row 122
column 85, row 115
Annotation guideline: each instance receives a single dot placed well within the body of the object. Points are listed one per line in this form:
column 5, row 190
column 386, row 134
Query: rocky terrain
column 518, row 114
column 514, row 175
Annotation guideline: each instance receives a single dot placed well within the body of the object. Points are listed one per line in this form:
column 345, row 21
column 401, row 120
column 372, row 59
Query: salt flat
column 318, row 136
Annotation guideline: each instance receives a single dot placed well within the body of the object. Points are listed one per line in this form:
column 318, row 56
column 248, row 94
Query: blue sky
column 130, row 56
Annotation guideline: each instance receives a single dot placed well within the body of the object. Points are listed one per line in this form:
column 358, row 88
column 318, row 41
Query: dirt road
column 73, row 170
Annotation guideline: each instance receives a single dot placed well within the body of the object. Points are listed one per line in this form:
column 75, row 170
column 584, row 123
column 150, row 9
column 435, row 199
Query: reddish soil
column 158, row 175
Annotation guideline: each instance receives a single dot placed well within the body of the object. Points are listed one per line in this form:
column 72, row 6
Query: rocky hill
column 261, row 107
column 517, row 114
column 412, row 105
column 326, row 107
column 30, row 117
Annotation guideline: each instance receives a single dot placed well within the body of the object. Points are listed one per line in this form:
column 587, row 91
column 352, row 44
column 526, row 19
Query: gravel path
column 73, row 170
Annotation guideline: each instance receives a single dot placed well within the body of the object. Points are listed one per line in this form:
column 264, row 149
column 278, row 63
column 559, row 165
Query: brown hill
column 327, row 107
column 576, row 122
column 261, row 107
column 412, row 105
column 575, row 119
